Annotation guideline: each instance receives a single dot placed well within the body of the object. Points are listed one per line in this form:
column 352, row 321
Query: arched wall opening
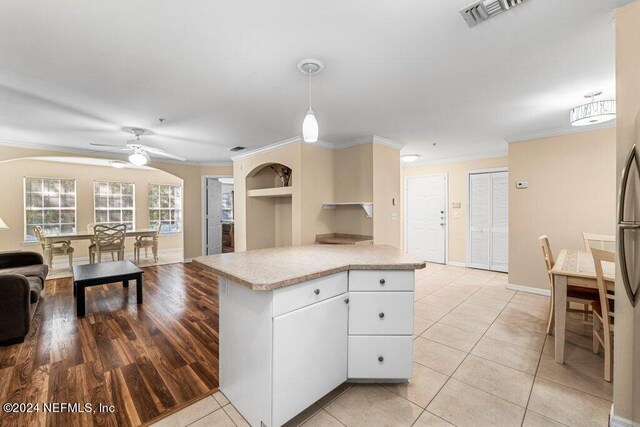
column 85, row 173
column 269, row 209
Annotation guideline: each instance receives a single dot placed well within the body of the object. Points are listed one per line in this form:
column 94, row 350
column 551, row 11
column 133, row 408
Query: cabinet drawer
column 381, row 313
column 293, row 297
column 381, row 280
column 380, row 357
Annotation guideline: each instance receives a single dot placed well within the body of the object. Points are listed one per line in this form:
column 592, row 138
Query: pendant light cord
column 309, row 72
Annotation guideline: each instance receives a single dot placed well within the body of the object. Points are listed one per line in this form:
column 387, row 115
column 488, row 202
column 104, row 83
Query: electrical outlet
column 521, row 185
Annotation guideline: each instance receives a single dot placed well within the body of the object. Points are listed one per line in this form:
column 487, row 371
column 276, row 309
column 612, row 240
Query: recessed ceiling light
column 409, row 157
column 117, row 164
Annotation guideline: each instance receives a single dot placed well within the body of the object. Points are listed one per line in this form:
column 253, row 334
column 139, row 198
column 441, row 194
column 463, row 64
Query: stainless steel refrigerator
column 627, row 309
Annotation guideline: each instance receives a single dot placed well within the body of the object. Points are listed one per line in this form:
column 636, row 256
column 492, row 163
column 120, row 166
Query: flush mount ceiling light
column 593, row 112
column 117, row 164
column 409, row 157
column 310, row 124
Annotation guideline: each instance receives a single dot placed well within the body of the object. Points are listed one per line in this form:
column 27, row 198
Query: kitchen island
column 296, row 322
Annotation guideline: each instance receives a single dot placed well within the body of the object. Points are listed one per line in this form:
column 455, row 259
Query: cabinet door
column 309, row 356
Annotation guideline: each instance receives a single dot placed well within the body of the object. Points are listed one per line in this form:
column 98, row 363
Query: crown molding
column 558, row 132
column 101, row 154
column 457, row 159
column 279, row 144
column 373, row 139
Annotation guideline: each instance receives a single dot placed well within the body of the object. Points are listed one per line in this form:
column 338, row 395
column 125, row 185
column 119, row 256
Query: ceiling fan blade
column 160, row 152
column 171, row 156
column 106, row 145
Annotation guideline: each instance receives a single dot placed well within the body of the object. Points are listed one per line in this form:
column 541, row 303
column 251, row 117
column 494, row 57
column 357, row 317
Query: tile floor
column 481, row 358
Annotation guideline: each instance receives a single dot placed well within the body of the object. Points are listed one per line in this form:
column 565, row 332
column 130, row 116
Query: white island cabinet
column 290, row 338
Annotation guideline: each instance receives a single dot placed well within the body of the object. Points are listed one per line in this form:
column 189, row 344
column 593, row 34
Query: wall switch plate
column 394, row 216
column 520, row 185
column 456, row 205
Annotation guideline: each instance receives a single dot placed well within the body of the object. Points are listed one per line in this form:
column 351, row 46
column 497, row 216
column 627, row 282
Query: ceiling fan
column 139, row 157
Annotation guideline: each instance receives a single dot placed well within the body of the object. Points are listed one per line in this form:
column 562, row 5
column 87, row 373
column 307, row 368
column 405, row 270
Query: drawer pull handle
column 317, row 292
column 381, row 315
column 380, row 359
column 382, row 282
column 346, row 300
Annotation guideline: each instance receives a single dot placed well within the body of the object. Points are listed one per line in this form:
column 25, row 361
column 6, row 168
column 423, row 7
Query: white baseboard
column 529, row 289
column 616, row 421
column 187, row 260
column 457, row 264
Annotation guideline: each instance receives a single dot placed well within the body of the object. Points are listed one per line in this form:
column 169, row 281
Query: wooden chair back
column 600, row 256
column 39, row 233
column 548, row 256
column 599, row 241
column 111, row 236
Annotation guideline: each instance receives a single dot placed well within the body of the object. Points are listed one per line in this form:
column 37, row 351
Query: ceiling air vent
column 482, row 10
column 238, row 148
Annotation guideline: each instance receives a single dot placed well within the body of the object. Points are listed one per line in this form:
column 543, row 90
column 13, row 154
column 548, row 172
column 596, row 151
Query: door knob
column 382, row 282
column 380, row 359
column 317, row 292
column 381, row 315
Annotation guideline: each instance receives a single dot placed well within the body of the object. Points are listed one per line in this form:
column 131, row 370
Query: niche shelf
column 270, row 192
column 367, row 206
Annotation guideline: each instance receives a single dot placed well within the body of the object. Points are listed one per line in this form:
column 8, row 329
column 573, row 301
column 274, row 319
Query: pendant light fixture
column 593, row 112
column 310, row 124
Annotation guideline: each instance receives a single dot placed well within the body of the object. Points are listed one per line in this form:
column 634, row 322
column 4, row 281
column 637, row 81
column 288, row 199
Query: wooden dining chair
column 58, row 248
column 107, row 238
column 603, row 311
column 147, row 242
column 575, row 294
column 599, row 241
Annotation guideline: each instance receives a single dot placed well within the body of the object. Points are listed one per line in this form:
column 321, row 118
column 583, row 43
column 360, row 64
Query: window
column 165, row 206
column 51, row 204
column 227, row 202
column 114, row 203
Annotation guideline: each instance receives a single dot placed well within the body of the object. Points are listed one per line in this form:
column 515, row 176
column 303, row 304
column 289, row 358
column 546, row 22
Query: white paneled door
column 214, row 216
column 426, row 217
column 489, row 220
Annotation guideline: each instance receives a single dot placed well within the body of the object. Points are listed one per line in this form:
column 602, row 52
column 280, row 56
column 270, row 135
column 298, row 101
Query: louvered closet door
column 479, row 220
column 489, row 221
column 499, row 221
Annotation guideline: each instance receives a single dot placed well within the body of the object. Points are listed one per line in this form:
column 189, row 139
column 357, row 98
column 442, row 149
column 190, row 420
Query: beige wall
column 192, row 190
column 572, row 189
column 363, row 173
column 354, row 183
column 318, row 179
column 627, row 21
column 13, row 172
column 386, row 196
column 457, row 189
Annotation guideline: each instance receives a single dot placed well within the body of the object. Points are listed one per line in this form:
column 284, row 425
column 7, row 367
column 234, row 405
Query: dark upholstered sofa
column 22, row 276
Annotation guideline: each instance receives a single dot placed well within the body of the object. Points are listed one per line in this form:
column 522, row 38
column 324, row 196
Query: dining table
column 49, row 239
column 573, row 268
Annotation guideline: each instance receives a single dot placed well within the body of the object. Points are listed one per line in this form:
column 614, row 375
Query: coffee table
column 101, row 274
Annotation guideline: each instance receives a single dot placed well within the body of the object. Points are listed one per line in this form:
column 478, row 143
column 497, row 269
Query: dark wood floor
column 145, row 360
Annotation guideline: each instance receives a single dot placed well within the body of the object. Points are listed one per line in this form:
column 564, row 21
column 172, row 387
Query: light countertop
column 268, row 269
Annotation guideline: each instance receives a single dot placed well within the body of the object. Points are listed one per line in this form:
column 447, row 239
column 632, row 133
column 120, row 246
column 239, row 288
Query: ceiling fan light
column 593, row 113
column 310, row 127
column 138, row 159
column 409, row 157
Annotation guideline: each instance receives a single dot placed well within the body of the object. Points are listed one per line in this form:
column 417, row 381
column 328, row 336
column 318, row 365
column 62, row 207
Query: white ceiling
column 223, row 73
